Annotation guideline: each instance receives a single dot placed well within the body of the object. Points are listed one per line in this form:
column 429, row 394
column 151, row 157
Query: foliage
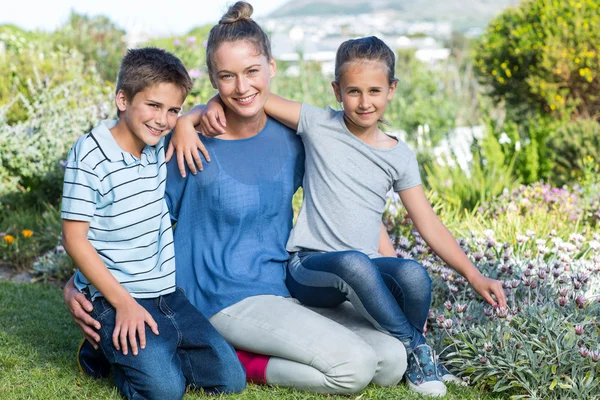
column 485, row 177
column 99, row 40
column 27, row 233
column 30, row 150
column 545, row 344
column 54, row 265
column 569, row 148
column 542, row 57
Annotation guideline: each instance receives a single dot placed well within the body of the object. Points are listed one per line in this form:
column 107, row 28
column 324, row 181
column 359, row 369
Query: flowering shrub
column 570, row 205
column 31, row 150
column 546, row 343
column 19, row 249
column 55, row 265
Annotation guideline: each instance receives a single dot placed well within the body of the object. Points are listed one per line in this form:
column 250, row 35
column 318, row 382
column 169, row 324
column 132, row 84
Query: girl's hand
column 131, row 320
column 213, row 121
column 186, row 142
column 487, row 287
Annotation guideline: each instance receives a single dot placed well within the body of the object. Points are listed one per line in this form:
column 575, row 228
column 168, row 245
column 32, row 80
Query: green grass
column 37, row 356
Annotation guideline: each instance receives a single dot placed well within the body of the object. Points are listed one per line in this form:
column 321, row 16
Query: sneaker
column 447, row 376
column 92, row 362
column 422, row 373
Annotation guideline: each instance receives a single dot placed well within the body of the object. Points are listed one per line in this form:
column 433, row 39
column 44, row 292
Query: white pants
column 310, row 351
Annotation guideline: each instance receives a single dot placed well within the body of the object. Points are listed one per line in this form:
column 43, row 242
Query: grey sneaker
column 422, row 374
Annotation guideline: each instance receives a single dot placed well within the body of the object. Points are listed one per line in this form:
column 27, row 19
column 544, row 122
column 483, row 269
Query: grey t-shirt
column 345, row 185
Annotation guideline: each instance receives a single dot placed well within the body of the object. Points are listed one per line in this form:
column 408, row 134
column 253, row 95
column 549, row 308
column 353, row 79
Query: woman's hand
column 79, row 307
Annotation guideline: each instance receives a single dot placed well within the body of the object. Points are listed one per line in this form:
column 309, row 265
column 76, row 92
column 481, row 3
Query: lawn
column 37, row 356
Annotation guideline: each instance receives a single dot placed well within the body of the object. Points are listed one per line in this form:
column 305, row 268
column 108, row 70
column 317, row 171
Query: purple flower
column 595, row 355
column 562, row 301
column 502, row 312
column 448, row 305
column 63, row 164
column 195, row 73
column 580, row 301
column 448, row 324
column 482, row 359
column 176, row 42
column 461, row 308
column 579, row 330
column 190, row 39
column 205, row 43
column 583, row 352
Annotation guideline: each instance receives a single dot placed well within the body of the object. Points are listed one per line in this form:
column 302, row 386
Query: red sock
column 255, row 366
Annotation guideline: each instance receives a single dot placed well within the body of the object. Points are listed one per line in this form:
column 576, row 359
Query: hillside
column 474, row 13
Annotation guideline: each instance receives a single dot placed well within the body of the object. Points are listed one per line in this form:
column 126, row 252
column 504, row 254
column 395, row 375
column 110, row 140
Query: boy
column 116, row 227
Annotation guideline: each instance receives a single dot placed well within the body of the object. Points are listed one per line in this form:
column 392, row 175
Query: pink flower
column 448, row 324
column 580, row 301
column 595, row 355
column 578, row 330
column 583, row 352
column 448, row 305
column 562, row 301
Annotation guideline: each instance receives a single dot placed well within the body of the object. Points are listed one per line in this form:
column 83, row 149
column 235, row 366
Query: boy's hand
column 79, row 307
column 213, row 121
column 486, row 287
column 186, row 142
column 131, row 320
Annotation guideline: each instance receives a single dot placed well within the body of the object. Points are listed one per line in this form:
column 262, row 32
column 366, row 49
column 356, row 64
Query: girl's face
column 364, row 91
column 242, row 77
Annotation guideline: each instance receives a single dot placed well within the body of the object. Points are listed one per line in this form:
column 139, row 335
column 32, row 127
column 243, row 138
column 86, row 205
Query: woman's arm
column 444, row 245
column 79, row 307
column 131, row 318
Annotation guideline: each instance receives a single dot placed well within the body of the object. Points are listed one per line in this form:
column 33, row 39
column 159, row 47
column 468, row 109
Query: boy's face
column 152, row 113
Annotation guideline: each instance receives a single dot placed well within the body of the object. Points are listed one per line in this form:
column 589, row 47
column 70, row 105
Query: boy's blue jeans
column 188, row 351
column 394, row 294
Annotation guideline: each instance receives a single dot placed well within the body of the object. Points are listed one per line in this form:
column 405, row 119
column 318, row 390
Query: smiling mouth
column 247, row 99
column 156, row 132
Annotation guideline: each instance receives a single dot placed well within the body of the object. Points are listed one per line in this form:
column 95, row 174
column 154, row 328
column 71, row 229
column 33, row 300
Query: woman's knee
column 358, row 371
column 391, row 364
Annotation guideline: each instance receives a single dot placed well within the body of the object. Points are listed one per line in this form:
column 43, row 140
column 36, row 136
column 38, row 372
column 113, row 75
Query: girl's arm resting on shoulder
column 285, row 111
column 444, row 245
column 130, row 316
column 386, row 248
column 186, row 143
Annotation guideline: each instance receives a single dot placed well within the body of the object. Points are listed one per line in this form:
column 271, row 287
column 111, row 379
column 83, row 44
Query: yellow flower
column 27, row 233
column 9, row 239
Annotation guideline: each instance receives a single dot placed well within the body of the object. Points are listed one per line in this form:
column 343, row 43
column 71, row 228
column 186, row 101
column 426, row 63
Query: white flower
column 518, row 145
column 488, row 233
column 522, row 238
column 504, row 138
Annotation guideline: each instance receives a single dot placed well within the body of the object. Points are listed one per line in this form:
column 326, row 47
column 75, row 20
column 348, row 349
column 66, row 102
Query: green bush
column 542, row 57
column 31, row 150
column 97, row 38
column 569, row 145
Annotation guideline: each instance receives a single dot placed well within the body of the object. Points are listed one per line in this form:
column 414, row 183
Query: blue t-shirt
column 235, row 216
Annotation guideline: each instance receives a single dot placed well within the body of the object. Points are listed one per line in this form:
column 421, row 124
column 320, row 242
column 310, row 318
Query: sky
column 156, row 17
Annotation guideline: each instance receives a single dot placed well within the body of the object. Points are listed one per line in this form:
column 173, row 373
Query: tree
column 543, row 56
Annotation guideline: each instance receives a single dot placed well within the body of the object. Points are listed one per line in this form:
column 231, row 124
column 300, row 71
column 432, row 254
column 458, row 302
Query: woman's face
column 242, row 77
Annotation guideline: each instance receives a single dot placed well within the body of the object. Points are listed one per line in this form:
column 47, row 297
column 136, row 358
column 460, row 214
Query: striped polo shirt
column 122, row 197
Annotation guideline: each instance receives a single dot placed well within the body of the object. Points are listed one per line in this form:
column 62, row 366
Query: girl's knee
column 355, row 265
column 417, row 274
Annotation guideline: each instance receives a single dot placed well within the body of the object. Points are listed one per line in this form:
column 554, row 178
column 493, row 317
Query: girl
column 350, row 166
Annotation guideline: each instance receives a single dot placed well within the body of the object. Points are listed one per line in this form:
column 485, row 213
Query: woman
column 233, row 221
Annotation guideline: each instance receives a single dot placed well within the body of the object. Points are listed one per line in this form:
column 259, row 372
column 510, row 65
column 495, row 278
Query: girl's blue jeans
column 394, row 294
column 187, row 351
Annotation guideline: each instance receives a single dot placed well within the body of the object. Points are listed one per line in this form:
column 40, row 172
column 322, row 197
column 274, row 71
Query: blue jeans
column 188, row 351
column 394, row 294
